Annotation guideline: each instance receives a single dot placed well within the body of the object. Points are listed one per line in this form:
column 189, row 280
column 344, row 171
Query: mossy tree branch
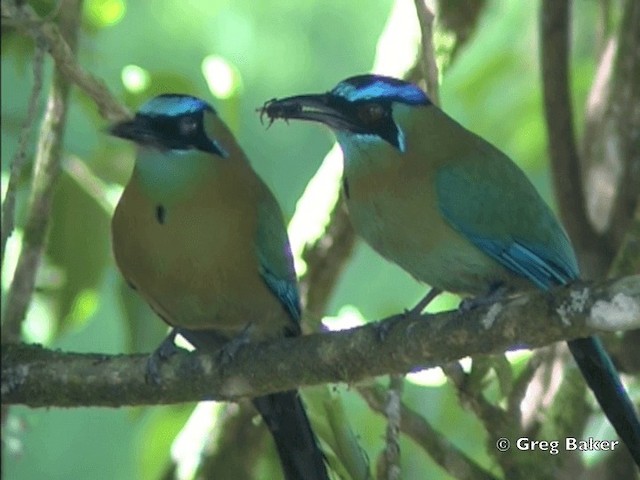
column 38, row 377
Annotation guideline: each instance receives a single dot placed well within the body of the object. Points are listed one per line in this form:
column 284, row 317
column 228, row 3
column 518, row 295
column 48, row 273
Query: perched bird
column 202, row 239
column 450, row 208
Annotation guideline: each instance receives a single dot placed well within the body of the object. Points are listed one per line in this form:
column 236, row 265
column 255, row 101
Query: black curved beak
column 135, row 129
column 323, row 108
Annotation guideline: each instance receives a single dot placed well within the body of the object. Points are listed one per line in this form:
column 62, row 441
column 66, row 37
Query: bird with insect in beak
column 451, row 209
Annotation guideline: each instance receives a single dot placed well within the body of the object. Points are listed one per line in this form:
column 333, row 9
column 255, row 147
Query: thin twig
column 389, row 462
column 492, row 417
column 46, row 170
column 20, row 157
column 88, row 181
column 26, row 19
column 437, row 445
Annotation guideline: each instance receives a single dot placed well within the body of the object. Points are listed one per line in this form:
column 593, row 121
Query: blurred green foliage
column 274, row 48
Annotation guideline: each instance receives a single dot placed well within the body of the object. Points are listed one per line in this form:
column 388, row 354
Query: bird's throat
column 169, row 176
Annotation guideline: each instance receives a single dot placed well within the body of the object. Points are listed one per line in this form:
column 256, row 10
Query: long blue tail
column 602, row 377
column 547, row 266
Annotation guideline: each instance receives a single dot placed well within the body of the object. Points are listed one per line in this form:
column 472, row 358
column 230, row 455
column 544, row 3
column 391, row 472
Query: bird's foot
column 383, row 328
column 422, row 304
column 492, row 297
column 161, row 354
column 229, row 349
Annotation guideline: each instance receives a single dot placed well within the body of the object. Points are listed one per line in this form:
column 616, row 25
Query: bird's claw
column 229, row 349
column 494, row 295
column 160, row 355
column 424, row 302
column 383, row 328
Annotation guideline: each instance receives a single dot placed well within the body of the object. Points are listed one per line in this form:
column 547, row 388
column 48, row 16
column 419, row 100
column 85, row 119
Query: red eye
column 188, row 126
column 371, row 112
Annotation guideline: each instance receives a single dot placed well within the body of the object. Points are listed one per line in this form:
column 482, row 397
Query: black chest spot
column 161, row 214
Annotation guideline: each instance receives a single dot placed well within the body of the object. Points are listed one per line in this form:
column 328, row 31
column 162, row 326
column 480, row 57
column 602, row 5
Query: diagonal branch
column 45, row 173
column 20, row 157
column 24, row 18
column 443, row 452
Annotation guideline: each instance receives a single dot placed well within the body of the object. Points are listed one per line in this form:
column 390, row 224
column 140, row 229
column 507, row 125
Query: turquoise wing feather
column 493, row 204
column 500, row 212
column 276, row 260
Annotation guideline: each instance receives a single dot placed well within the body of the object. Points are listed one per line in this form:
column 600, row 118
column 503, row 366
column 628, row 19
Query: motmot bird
column 450, row 208
column 202, row 239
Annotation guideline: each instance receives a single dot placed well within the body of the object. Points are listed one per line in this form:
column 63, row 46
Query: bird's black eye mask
column 183, row 132
column 375, row 118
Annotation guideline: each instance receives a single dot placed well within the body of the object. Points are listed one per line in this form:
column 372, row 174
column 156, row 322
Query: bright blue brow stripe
column 379, row 89
column 173, row 105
